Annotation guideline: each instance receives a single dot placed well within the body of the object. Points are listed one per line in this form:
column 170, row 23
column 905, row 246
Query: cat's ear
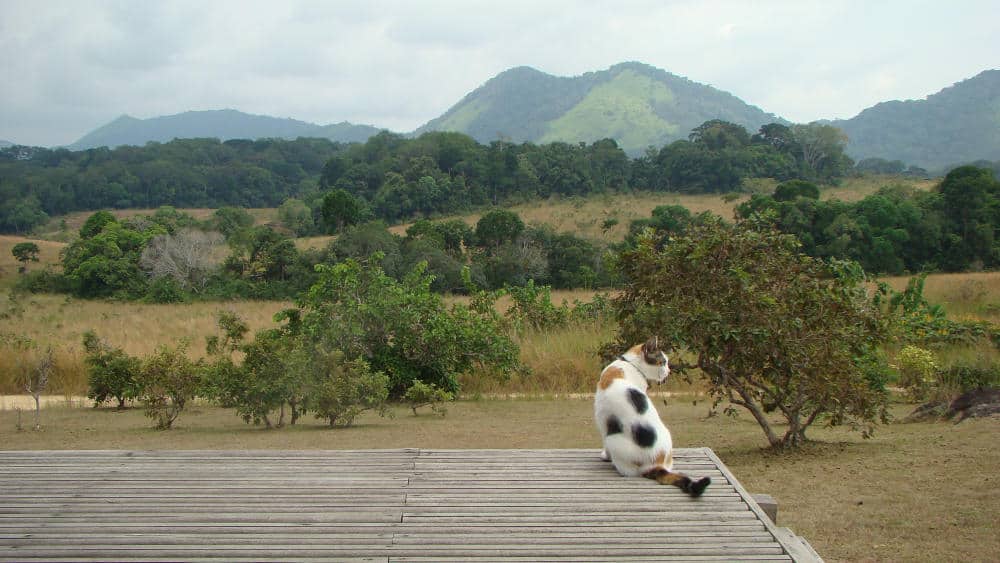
column 652, row 346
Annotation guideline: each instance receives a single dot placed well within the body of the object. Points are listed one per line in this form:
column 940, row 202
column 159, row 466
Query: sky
column 69, row 67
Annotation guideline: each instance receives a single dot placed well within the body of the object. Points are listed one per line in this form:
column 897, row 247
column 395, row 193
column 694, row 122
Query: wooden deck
column 374, row 505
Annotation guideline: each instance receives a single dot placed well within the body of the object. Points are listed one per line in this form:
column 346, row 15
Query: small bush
column 422, row 395
column 169, row 381
column 917, row 369
column 111, row 373
column 960, row 378
column 348, row 389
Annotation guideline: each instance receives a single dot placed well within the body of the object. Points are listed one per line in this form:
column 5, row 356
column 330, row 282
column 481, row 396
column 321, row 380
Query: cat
column 636, row 441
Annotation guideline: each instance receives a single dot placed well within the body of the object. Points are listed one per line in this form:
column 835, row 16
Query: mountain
column 636, row 104
column 957, row 125
column 222, row 124
column 4, row 144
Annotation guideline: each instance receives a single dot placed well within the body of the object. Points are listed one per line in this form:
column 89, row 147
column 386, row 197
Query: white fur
column 628, row 457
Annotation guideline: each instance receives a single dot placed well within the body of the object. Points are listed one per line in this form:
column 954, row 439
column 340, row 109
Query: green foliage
column 772, row 330
column 532, row 308
column 917, row 370
column 106, row 262
column 963, row 377
column 262, row 383
column 498, row 227
column 897, row 229
column 231, row 221
column 422, row 395
column 921, row 323
column 169, row 381
column 296, row 215
column 400, row 327
column 96, row 223
column 25, row 252
column 341, row 209
column 343, row 389
column 111, row 373
column 788, row 191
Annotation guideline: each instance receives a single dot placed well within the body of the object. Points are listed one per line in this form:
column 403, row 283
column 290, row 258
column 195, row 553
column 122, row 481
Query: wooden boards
column 370, row 505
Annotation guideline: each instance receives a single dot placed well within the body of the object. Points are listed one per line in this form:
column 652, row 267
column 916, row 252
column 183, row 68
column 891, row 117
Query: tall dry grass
column 137, row 328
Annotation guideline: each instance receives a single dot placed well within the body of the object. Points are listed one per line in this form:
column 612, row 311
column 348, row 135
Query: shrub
column 532, row 307
column 401, row 327
column 960, row 378
column 917, row 370
column 169, row 381
column 346, row 388
column 111, row 373
column 422, row 395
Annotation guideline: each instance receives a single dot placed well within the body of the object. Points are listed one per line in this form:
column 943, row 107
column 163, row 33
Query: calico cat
column 635, row 439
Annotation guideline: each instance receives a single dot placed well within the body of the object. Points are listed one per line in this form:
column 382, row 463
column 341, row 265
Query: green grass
column 632, row 120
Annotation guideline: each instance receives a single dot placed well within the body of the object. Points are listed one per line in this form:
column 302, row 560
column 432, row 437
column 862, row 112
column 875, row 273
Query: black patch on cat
column 614, row 425
column 639, row 400
column 644, row 436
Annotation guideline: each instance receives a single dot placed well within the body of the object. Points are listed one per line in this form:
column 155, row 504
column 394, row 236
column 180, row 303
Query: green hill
column 633, row 103
column 959, row 124
column 220, row 124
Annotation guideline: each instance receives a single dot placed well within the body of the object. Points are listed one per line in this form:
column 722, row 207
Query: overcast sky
column 69, row 67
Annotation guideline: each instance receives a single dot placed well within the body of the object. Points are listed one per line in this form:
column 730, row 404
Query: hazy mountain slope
column 959, row 124
column 636, row 104
column 221, row 124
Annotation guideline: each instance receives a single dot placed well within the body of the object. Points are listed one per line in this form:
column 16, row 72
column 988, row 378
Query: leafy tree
column 400, row 327
column 297, row 216
column 771, row 329
column 111, row 373
column 107, row 262
column 96, row 223
column 788, row 191
column 970, row 202
column 497, row 227
column 341, row 389
column 262, row 384
column 169, row 381
column 231, row 221
column 341, row 209
column 25, row 252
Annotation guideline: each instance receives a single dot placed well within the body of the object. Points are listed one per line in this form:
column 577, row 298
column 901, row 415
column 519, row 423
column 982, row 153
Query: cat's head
column 654, row 364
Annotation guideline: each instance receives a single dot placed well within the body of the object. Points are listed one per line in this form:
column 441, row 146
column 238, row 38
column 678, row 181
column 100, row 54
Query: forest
column 355, row 191
column 395, row 178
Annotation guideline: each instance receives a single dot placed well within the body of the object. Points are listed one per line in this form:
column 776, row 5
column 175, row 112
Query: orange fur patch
column 661, row 459
column 636, row 350
column 610, row 375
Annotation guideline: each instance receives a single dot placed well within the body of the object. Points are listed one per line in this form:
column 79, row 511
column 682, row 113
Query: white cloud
column 71, row 66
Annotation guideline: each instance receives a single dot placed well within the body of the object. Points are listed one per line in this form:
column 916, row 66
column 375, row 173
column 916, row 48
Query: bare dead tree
column 187, row 256
column 36, row 382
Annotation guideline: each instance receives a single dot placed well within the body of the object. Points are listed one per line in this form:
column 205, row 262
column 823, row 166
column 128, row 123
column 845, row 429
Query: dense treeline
column 169, row 256
column 391, row 177
column 953, row 227
column 36, row 183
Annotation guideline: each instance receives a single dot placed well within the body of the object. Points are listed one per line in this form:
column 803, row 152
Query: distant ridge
column 4, row 144
column 636, row 104
column 959, row 124
column 222, row 124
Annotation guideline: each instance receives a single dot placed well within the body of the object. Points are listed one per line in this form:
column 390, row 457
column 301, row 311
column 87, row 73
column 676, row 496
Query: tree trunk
column 38, row 414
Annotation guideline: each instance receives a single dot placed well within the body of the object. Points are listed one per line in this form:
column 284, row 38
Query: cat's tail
column 690, row 486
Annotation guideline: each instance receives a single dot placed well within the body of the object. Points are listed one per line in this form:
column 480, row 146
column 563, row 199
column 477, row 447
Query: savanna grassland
column 914, row 492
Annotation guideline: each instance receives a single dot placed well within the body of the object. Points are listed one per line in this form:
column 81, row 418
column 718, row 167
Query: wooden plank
column 381, row 505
